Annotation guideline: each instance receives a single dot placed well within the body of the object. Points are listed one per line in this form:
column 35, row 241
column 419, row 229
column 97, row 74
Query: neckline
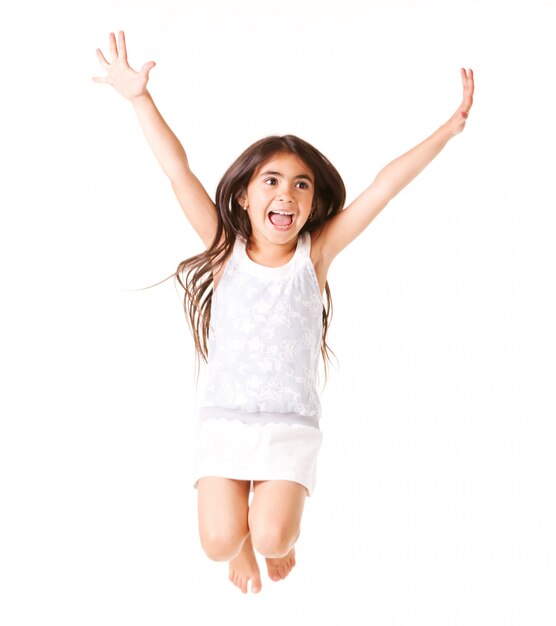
column 274, row 267
column 277, row 271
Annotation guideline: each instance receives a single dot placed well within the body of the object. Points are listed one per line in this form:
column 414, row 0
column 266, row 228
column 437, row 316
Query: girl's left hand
column 457, row 122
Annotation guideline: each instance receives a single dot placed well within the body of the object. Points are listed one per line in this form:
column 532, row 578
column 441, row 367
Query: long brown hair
column 329, row 198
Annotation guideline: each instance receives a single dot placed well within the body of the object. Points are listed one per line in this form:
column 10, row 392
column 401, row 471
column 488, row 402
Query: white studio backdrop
column 435, row 498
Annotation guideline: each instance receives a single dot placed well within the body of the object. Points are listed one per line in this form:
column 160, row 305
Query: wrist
column 446, row 131
column 139, row 99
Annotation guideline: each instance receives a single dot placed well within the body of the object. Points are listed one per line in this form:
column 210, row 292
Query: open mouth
column 281, row 220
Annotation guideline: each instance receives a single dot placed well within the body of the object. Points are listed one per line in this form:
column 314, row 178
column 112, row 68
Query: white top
column 264, row 341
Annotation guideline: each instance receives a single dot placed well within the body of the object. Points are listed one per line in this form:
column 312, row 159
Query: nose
column 285, row 195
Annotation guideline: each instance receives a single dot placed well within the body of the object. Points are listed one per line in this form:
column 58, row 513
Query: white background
column 435, row 502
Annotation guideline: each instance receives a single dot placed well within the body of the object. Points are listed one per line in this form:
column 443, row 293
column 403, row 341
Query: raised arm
column 346, row 225
column 193, row 198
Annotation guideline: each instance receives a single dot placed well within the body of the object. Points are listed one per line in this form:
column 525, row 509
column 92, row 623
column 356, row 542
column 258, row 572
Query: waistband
column 258, row 417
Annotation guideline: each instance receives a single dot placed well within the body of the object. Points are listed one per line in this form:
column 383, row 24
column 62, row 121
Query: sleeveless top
column 264, row 342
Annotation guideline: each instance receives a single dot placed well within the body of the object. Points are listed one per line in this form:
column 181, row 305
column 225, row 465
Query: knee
column 221, row 546
column 272, row 541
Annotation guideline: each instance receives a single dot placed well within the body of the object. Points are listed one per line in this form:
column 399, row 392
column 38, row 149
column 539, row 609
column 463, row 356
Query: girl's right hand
column 129, row 83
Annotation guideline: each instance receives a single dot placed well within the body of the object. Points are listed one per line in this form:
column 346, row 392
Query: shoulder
column 219, row 269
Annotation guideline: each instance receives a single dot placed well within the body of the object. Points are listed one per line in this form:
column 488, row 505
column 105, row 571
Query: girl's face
column 283, row 183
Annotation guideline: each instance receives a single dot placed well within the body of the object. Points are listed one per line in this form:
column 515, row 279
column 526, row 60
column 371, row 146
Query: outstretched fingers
column 466, row 79
column 468, row 84
column 123, row 49
column 105, row 65
column 147, row 68
column 127, row 82
column 113, row 47
column 116, row 53
column 457, row 122
column 102, row 59
column 468, row 89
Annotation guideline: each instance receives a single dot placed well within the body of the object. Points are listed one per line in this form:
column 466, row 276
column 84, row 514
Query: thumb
column 147, row 67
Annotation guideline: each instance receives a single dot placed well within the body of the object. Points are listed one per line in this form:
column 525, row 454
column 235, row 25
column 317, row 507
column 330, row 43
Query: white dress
column 259, row 414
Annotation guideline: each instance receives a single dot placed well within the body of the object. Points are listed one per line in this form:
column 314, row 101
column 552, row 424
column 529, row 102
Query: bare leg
column 223, row 514
column 274, row 521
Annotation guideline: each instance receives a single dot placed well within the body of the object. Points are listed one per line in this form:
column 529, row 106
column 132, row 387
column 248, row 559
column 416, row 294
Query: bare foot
column 280, row 568
column 245, row 567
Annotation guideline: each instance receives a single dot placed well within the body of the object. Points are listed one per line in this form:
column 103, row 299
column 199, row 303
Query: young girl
column 275, row 227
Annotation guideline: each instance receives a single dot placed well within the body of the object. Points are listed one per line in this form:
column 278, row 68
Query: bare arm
column 346, row 225
column 165, row 145
column 193, row 198
column 401, row 171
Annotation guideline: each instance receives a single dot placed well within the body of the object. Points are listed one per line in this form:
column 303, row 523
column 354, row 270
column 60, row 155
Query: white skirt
column 230, row 448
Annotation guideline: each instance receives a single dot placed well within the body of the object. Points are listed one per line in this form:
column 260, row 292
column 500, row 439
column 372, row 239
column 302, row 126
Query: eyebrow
column 269, row 172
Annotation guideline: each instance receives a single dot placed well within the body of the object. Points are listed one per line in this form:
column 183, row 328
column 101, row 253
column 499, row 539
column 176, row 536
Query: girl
column 275, row 227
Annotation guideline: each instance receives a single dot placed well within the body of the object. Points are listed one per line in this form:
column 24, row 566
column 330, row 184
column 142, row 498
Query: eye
column 267, row 179
column 305, row 185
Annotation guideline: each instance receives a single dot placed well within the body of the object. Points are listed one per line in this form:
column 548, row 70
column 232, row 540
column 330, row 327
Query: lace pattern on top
column 264, row 340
